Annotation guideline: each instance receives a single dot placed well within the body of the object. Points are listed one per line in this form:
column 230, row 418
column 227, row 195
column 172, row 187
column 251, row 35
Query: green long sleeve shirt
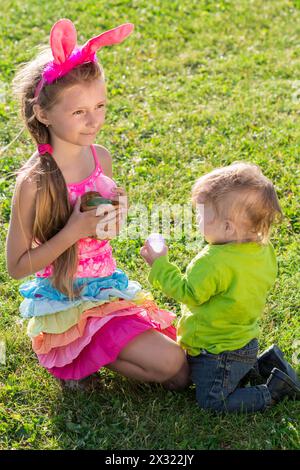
column 223, row 294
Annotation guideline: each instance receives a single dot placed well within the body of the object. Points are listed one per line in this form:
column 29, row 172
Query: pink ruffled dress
column 101, row 332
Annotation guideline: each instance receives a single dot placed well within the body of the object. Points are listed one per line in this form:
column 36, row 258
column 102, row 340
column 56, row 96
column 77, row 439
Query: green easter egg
column 96, row 201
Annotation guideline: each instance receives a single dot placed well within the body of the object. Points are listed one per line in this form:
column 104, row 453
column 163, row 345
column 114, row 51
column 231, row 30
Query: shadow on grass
column 116, row 413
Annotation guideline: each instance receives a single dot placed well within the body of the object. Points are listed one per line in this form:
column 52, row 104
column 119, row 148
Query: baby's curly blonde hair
column 242, row 193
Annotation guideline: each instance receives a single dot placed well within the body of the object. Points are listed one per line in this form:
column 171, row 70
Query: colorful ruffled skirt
column 74, row 339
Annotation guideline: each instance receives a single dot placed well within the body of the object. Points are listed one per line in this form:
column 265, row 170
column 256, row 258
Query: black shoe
column 280, row 385
column 273, row 357
column 252, row 378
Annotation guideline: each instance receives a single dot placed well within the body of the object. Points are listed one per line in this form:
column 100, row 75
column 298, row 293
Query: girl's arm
column 21, row 259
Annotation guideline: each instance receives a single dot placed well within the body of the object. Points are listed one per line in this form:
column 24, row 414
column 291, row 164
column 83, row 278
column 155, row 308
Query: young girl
column 224, row 292
column 84, row 312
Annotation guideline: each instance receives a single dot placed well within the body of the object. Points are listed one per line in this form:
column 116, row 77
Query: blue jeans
column 217, row 378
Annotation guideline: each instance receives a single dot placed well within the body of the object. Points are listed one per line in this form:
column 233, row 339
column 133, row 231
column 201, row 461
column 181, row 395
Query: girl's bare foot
column 88, row 383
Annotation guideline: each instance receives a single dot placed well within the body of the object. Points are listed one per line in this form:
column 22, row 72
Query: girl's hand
column 150, row 255
column 118, row 191
column 120, row 195
column 111, row 223
column 110, row 226
column 84, row 224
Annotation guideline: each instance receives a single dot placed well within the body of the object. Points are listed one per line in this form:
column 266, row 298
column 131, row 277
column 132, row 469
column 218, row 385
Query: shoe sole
column 267, row 352
column 295, row 390
column 280, row 363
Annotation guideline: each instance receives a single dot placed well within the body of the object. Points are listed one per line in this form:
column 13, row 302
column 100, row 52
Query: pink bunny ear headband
column 67, row 55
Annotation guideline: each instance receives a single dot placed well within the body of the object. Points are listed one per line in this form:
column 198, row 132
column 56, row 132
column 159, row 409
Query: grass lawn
column 200, row 84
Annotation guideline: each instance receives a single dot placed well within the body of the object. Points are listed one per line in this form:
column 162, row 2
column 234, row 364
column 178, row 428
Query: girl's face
column 79, row 113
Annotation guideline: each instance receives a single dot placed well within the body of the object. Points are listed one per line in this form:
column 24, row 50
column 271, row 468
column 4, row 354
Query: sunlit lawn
column 200, row 84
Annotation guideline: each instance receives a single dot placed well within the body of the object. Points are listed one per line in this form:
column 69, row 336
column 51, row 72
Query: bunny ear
column 63, row 39
column 113, row 36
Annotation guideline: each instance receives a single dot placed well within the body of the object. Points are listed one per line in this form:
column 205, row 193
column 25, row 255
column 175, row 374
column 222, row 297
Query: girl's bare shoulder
column 105, row 159
column 25, row 178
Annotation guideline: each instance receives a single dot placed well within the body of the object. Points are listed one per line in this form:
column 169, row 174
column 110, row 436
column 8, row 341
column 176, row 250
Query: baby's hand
column 150, row 255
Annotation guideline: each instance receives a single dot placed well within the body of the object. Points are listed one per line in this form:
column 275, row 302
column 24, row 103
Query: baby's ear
column 63, row 38
column 230, row 227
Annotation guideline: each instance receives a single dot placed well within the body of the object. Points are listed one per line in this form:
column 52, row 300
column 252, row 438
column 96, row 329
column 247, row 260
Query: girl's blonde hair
column 240, row 191
column 52, row 206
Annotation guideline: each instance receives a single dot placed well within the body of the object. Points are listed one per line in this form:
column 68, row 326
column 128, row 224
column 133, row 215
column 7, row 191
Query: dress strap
column 97, row 163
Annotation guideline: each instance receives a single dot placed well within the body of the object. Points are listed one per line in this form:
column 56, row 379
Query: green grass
column 200, row 84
